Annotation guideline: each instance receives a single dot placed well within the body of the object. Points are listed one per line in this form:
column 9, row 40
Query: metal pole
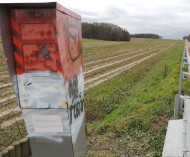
column 177, row 98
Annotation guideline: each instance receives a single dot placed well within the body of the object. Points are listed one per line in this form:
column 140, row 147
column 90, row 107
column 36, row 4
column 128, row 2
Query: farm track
column 98, row 68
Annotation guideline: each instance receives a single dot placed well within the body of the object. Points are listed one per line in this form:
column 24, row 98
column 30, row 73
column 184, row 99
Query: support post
column 11, row 151
column 24, row 147
column 17, row 147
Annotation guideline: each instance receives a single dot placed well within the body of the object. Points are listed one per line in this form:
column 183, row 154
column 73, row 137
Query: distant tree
column 104, row 31
column 186, row 37
column 146, row 35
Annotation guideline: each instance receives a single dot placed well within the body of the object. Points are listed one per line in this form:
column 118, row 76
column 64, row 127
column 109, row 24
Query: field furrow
column 11, row 121
column 112, row 67
column 112, row 57
column 6, row 93
column 5, row 85
column 7, row 98
column 98, row 80
column 7, row 112
column 101, row 55
column 92, row 82
column 8, row 104
column 114, row 62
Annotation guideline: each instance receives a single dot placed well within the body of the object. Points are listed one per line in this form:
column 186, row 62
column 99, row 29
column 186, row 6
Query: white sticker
column 47, row 123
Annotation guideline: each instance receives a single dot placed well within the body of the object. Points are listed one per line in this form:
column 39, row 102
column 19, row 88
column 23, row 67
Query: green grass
column 136, row 106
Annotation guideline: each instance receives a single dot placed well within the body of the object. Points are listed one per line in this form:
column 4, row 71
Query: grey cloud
column 169, row 21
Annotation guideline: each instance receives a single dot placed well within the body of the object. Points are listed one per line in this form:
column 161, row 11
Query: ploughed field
column 103, row 60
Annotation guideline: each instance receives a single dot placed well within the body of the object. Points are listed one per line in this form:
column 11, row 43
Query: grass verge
column 128, row 115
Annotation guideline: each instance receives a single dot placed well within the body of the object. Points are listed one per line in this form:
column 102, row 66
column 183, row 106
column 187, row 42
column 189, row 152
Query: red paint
column 26, row 16
column 15, row 26
column 70, row 45
column 36, row 33
column 17, row 44
column 19, row 59
column 47, row 32
column 34, row 58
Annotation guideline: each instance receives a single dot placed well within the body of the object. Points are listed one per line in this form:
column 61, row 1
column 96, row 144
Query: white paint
column 41, row 90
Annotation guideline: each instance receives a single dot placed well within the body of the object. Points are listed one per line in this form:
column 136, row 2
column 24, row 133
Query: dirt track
column 98, row 68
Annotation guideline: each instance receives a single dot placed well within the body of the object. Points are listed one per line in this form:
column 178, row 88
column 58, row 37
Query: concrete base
column 174, row 141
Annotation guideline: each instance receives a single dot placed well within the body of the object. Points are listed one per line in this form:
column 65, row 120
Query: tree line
column 104, row 31
column 146, row 35
column 186, row 37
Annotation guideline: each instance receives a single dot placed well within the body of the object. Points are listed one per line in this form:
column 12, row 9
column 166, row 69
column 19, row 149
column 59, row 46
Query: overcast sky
column 168, row 18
